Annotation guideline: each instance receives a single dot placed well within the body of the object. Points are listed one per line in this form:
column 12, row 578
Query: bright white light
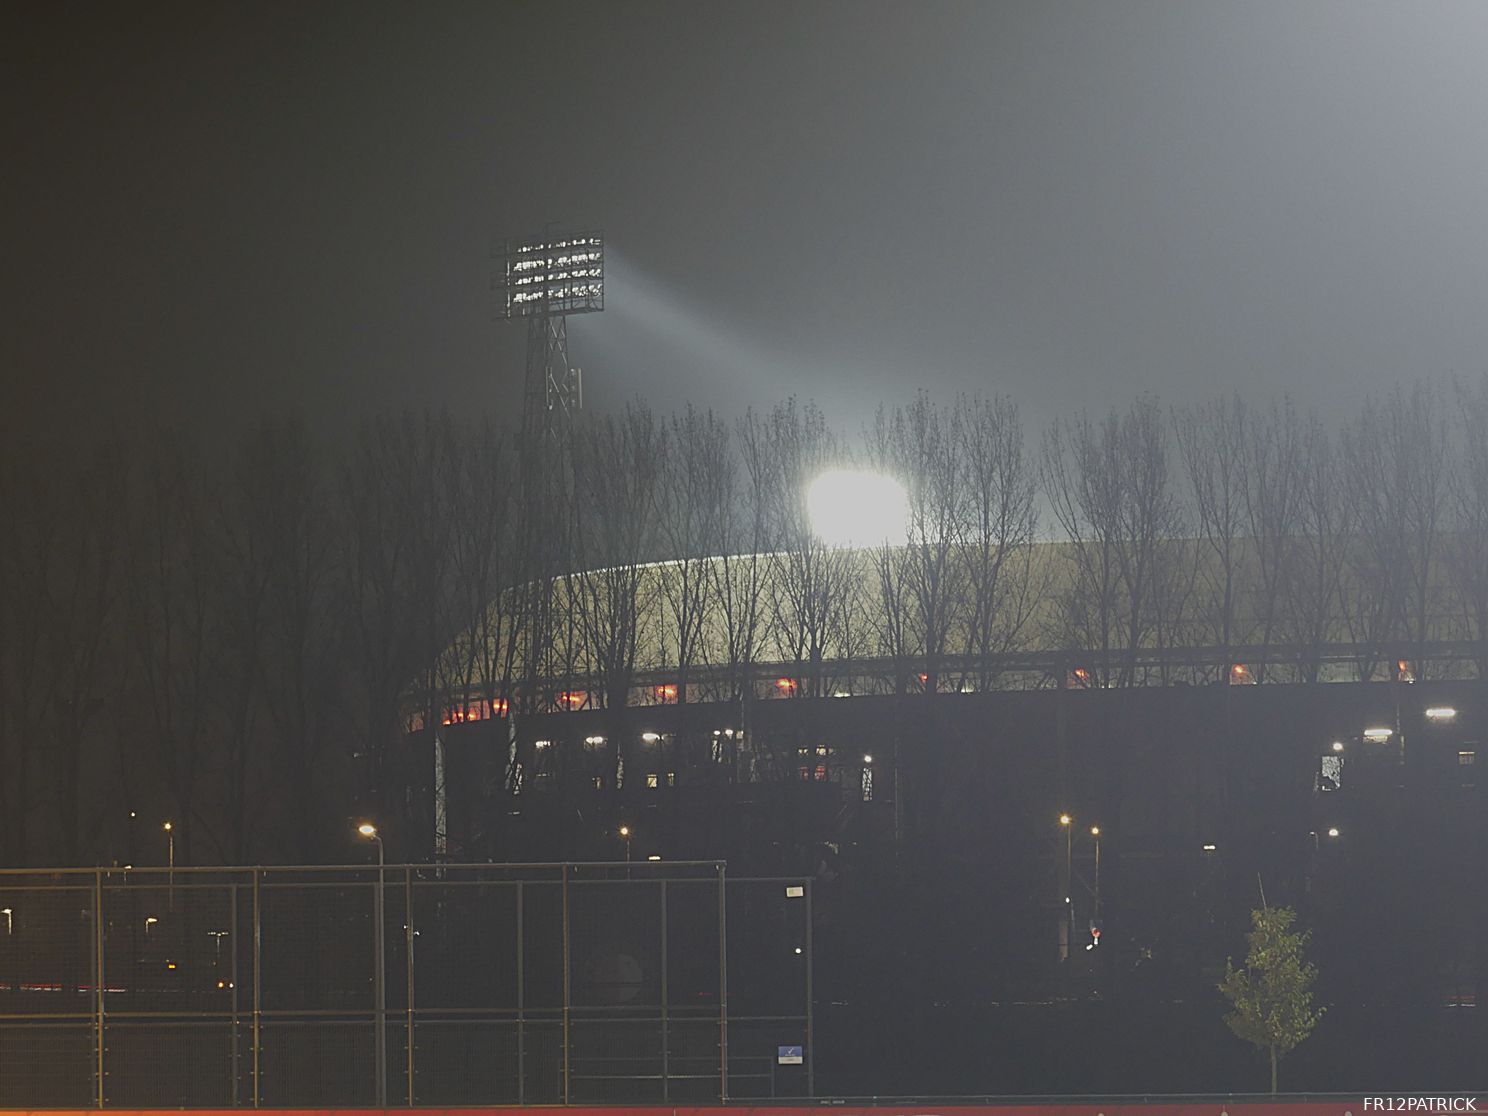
column 1338, row 745
column 1441, row 713
column 1379, row 733
column 650, row 737
column 1333, row 833
column 851, row 508
column 594, row 740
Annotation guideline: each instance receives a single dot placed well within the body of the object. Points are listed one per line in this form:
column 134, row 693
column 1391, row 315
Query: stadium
column 967, row 774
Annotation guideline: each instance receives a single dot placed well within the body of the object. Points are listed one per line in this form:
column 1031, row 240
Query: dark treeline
column 239, row 641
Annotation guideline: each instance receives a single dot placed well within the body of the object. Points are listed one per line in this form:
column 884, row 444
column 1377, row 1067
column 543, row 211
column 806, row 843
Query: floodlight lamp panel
column 852, row 508
column 551, row 275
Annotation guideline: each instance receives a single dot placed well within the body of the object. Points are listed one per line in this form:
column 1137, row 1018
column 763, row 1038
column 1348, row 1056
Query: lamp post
column 170, row 860
column 1067, row 919
column 1095, row 833
column 625, row 836
column 379, row 987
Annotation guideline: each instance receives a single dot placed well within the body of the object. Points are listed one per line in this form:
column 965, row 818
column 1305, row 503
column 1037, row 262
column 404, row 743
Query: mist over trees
column 239, row 639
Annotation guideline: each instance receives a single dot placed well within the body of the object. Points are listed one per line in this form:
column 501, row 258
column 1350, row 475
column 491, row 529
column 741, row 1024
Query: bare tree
column 1466, row 553
column 168, row 589
column 1313, row 573
column 745, row 538
column 395, row 576
column 1109, row 488
column 1212, row 444
column 810, row 581
column 1272, row 485
column 305, row 653
column 695, row 484
column 1002, row 584
column 1395, row 458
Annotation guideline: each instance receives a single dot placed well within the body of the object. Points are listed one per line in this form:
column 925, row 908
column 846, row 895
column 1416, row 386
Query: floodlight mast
column 545, row 278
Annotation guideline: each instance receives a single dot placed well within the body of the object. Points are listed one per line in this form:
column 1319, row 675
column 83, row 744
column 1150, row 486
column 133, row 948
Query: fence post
column 232, row 979
column 810, row 1037
column 257, row 989
column 566, row 987
column 521, row 1006
column 98, row 982
column 408, row 948
column 666, row 1072
column 723, row 1063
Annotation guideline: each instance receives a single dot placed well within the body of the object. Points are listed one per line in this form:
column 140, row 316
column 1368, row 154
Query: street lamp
column 170, row 860
column 379, row 989
column 1067, row 923
column 1095, row 832
column 625, row 836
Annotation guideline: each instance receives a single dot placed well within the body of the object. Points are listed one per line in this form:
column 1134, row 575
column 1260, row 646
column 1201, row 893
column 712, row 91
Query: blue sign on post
column 789, row 1056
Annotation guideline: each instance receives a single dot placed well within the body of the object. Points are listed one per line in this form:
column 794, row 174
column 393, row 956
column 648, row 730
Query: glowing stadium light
column 540, row 276
column 851, row 508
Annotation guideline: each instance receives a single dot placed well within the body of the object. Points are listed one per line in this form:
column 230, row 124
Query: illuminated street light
column 1333, row 832
column 625, row 836
column 867, row 759
column 650, row 737
column 1338, row 745
column 1441, row 713
column 1379, row 732
column 1209, row 848
column 851, row 508
column 170, row 854
column 379, row 983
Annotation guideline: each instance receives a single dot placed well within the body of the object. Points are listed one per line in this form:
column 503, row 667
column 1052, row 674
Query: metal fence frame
column 109, row 899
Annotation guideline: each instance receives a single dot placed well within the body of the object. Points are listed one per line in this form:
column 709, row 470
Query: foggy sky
column 212, row 210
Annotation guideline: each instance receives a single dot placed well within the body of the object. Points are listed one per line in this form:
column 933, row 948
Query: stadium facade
column 924, row 791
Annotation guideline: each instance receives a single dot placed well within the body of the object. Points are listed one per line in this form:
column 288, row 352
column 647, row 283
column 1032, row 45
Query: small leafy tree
column 1272, row 995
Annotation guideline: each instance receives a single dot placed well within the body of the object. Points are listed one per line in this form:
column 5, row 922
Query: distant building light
column 1441, row 713
column 1466, row 759
column 1379, row 733
column 867, row 759
column 594, row 740
column 650, row 737
column 542, row 744
column 1333, row 832
column 653, row 856
column 1209, row 848
column 1338, row 745
column 795, row 891
column 785, row 685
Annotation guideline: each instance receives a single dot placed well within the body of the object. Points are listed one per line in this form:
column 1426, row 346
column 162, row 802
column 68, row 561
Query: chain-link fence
column 437, row 985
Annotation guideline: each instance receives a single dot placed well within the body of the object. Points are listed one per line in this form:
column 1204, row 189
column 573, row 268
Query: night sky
column 214, row 210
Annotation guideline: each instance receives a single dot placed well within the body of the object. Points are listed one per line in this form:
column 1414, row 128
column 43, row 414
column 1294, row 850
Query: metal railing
column 481, row 984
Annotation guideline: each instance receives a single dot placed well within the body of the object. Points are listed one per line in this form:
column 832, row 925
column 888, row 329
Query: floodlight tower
column 544, row 279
